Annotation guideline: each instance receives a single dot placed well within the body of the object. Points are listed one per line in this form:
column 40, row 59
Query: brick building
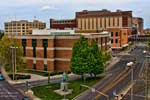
column 22, row 27
column 119, row 23
column 62, row 24
column 51, row 52
column 138, row 24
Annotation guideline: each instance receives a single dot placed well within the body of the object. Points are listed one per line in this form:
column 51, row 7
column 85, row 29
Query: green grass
column 47, row 92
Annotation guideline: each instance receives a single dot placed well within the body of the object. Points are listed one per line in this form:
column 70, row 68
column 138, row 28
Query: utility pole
column 130, row 64
column 146, row 79
column 13, row 52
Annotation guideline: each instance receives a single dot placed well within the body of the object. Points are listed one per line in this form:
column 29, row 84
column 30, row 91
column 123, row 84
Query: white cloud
column 55, row 2
column 47, row 7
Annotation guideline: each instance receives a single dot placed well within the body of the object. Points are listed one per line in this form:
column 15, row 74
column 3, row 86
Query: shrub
column 20, row 76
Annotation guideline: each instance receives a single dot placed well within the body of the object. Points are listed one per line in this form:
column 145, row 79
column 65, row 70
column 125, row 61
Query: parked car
column 26, row 98
column 1, row 77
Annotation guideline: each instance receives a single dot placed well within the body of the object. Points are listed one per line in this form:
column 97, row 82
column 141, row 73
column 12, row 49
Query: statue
column 64, row 84
column 65, row 78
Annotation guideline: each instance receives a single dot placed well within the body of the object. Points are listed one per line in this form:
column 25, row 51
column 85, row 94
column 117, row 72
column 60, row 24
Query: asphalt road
column 7, row 92
column 119, row 68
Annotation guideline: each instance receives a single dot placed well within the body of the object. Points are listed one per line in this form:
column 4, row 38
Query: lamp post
column 146, row 80
column 130, row 64
column 94, row 90
column 13, row 52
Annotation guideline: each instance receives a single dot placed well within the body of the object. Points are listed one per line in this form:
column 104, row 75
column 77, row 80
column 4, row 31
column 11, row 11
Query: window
column 34, row 51
column 112, row 34
column 45, row 67
column 112, row 41
column 24, row 46
column 116, row 41
column 34, row 66
column 34, row 43
column 116, row 33
column 45, row 52
column 45, row 42
column 23, row 42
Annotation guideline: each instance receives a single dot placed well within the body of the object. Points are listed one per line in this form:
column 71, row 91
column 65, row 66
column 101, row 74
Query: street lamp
column 13, row 52
column 94, row 90
column 146, row 81
column 130, row 64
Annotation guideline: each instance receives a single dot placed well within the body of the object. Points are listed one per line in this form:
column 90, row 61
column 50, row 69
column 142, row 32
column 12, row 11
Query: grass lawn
column 46, row 92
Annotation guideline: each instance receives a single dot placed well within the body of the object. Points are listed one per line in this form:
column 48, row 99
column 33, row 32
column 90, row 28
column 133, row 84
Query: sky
column 65, row 9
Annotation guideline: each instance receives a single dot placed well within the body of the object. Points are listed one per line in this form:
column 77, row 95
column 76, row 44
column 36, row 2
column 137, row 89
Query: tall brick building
column 119, row 23
column 51, row 52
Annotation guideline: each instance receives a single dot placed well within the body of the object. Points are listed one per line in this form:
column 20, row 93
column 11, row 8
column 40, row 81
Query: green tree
column 87, row 58
column 148, row 45
column 79, row 64
column 5, row 52
column 95, row 59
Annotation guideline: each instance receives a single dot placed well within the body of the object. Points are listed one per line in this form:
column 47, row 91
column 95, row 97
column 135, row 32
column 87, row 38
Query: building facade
column 119, row 23
column 137, row 23
column 23, row 27
column 62, row 24
column 53, row 52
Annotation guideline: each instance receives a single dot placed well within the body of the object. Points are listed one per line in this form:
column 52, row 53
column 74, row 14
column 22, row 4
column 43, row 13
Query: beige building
column 23, row 27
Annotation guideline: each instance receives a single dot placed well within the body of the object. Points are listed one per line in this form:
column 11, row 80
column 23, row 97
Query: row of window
column 34, row 43
column 116, row 34
column 99, row 22
column 116, row 41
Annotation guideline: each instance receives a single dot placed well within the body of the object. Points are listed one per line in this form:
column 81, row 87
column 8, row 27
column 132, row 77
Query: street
column 7, row 92
column 119, row 79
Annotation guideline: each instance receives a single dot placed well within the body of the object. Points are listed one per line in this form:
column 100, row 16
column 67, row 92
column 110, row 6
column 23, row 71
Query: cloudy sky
column 64, row 9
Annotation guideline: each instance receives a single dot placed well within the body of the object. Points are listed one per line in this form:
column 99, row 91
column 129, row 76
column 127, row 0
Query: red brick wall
column 63, row 53
column 29, row 63
column 50, row 53
column 39, row 43
column 62, row 66
column 50, row 43
column 29, row 42
column 50, row 66
column 39, row 53
column 29, row 52
column 65, row 42
column 40, row 64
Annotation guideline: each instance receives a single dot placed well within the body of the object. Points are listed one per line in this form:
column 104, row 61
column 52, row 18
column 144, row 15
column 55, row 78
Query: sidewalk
column 33, row 78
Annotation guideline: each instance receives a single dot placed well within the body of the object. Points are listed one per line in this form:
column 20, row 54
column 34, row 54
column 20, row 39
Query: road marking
column 114, row 82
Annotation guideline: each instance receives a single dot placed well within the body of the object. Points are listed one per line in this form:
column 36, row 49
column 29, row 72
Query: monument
column 63, row 91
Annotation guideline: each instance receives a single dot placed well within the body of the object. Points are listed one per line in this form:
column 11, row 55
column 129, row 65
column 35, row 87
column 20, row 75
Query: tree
column 79, row 63
column 1, row 34
column 96, row 62
column 148, row 45
column 87, row 58
column 5, row 52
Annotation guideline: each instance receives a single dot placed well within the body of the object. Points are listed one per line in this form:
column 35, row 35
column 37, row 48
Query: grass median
column 47, row 92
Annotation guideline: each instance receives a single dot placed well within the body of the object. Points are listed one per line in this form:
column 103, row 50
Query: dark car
column 26, row 98
column 1, row 77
